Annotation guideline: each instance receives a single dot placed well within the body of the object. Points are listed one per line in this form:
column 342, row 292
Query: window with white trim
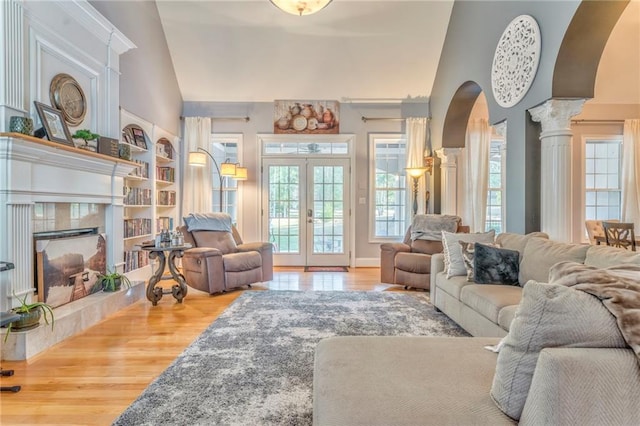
column 602, row 177
column 225, row 148
column 388, row 187
column 495, row 192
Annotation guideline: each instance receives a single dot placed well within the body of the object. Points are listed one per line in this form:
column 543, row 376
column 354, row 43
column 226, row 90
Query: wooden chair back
column 619, row 235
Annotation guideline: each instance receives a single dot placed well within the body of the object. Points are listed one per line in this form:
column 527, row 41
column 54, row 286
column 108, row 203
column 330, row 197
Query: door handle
column 309, row 213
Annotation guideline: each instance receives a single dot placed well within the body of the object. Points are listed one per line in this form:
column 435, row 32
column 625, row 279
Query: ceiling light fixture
column 299, row 7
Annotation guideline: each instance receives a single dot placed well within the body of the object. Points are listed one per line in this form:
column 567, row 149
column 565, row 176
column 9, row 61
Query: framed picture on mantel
column 53, row 124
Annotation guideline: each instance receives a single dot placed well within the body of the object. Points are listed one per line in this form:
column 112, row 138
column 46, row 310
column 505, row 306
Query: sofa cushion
column 548, row 316
column 221, row 240
column 453, row 261
column 413, row 262
column 495, row 265
column 540, row 255
column 243, row 261
column 606, row 256
column 517, row 241
column 489, row 299
column 506, row 316
column 452, row 286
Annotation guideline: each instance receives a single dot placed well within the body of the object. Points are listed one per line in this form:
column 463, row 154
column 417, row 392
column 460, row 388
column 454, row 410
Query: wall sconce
column 416, row 173
column 428, row 164
column 226, row 169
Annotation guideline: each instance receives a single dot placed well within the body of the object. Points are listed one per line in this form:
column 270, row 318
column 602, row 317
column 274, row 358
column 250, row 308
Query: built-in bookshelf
column 151, row 190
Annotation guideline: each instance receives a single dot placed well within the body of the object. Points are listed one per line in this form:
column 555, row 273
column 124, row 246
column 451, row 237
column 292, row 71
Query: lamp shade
column 416, row 172
column 228, row 169
column 197, row 159
column 300, row 7
column 241, row 173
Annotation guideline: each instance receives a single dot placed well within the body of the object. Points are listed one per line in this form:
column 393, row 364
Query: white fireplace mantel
column 34, row 170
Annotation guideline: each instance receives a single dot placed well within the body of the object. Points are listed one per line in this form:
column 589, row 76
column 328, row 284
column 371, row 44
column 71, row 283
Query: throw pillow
column 494, row 265
column 453, row 262
column 208, row 222
column 468, row 251
column 549, row 315
column 540, row 255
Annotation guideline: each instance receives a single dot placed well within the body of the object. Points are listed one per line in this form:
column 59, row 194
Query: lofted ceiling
column 250, row 51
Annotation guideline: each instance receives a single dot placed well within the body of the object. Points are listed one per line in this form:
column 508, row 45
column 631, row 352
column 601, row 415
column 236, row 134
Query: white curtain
column 416, row 130
column 631, row 173
column 476, row 174
column 197, row 188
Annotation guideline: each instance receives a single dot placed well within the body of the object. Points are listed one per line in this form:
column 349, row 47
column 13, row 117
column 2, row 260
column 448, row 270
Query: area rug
column 326, row 269
column 254, row 364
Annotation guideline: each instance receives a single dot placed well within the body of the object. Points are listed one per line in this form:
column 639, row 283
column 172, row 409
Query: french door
column 307, row 210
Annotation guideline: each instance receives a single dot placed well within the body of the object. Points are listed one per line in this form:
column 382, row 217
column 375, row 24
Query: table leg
column 179, row 290
column 154, row 294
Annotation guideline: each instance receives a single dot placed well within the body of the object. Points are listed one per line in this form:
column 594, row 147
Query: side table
column 179, row 291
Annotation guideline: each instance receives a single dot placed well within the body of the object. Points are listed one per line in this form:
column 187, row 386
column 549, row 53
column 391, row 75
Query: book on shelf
column 142, row 171
column 134, row 196
column 164, row 222
column 167, row 174
column 136, row 227
column 166, row 198
column 135, row 259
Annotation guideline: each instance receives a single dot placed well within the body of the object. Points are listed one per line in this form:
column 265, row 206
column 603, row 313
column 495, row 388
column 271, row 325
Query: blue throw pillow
column 494, row 265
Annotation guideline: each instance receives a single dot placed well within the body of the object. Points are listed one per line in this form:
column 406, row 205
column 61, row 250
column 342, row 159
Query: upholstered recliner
column 220, row 260
column 409, row 263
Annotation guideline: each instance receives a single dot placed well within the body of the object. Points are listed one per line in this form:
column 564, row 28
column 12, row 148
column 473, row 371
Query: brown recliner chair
column 409, row 263
column 221, row 261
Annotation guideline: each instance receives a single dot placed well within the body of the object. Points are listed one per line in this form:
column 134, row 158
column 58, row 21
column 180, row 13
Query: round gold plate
column 67, row 96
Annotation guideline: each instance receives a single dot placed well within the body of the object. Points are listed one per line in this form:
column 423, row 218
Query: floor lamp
column 199, row 159
column 416, row 173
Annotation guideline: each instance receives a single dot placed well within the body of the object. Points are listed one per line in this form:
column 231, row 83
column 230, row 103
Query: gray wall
column 261, row 115
column 472, row 36
column 148, row 85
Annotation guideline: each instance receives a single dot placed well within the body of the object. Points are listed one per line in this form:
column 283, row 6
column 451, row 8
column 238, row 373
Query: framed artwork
column 306, row 117
column 55, row 127
column 138, row 137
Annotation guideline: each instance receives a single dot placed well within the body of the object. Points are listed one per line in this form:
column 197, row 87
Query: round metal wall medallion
column 67, row 96
column 515, row 61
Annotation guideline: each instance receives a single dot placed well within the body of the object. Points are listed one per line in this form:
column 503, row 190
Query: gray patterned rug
column 254, row 364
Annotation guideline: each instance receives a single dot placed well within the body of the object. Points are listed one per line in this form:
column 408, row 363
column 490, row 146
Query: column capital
column 555, row 114
column 448, row 156
column 501, row 128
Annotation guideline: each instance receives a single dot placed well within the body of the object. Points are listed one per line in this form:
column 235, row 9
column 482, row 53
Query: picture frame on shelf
column 53, row 123
column 138, row 137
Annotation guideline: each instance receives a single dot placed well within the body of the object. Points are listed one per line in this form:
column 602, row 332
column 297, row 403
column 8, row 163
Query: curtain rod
column 365, row 119
column 597, row 121
column 245, row 119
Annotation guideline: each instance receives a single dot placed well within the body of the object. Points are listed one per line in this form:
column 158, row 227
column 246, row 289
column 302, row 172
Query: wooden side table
column 179, row 291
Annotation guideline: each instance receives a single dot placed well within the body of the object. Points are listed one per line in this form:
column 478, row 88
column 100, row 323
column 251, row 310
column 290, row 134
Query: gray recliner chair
column 221, row 261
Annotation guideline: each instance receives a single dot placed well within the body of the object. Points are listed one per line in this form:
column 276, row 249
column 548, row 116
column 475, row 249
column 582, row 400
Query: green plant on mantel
column 30, row 314
column 113, row 280
column 86, row 135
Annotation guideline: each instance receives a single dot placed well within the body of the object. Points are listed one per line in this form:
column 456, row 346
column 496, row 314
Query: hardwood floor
column 89, row 379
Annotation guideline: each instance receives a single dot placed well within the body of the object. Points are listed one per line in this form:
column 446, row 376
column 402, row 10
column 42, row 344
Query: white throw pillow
column 453, row 260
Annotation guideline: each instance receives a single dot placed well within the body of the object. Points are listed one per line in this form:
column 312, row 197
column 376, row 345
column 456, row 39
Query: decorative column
column 12, row 85
column 555, row 170
column 501, row 130
column 449, row 185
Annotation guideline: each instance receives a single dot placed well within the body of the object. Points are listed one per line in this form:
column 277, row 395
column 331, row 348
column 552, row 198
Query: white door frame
column 348, row 139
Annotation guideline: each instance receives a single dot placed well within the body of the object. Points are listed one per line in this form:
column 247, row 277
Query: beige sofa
column 446, row 381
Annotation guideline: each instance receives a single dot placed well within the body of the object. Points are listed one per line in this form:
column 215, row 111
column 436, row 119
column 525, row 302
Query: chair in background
column 595, row 231
column 618, row 234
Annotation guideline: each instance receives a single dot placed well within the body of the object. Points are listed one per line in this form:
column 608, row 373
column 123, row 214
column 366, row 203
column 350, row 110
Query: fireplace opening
column 67, row 264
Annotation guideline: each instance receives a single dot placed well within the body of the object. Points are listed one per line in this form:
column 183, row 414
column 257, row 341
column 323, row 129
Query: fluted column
column 449, row 183
column 12, row 86
column 555, row 165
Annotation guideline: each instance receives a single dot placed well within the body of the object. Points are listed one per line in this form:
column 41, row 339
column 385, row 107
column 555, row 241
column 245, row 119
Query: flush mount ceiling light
column 300, row 7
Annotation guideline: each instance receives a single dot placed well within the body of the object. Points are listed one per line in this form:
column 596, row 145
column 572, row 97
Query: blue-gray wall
column 148, row 84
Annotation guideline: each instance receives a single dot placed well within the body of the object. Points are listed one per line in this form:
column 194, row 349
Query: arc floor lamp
column 227, row 169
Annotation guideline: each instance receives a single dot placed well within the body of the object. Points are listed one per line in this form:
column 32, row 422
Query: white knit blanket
column 430, row 226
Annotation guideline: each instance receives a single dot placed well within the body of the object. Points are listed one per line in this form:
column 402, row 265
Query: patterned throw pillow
column 468, row 252
column 494, row 265
column 453, row 262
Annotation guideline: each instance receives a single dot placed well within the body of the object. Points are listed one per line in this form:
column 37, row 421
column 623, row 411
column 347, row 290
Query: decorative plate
column 298, row 123
column 515, row 61
column 66, row 95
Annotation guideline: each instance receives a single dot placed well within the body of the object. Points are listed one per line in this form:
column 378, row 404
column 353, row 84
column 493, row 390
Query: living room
column 131, row 52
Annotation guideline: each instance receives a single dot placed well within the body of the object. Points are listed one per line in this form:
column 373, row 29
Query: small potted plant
column 86, row 135
column 113, row 280
column 30, row 314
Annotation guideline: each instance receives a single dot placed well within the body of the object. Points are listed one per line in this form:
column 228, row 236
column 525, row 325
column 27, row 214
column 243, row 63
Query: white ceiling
column 248, row 50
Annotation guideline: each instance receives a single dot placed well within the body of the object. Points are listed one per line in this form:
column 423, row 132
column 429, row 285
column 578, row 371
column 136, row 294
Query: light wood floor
column 89, row 379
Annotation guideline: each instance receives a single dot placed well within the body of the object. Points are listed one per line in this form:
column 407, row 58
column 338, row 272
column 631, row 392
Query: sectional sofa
column 457, row 381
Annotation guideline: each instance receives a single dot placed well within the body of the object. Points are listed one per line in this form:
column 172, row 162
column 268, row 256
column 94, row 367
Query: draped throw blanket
column 430, row 226
column 618, row 288
column 208, row 222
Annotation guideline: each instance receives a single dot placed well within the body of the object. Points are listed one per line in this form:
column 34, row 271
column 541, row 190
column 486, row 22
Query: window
column 225, row 148
column 495, row 204
column 602, row 178
column 389, row 192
